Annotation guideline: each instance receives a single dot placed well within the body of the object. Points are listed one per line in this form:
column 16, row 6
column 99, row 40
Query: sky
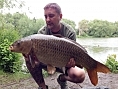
column 77, row 10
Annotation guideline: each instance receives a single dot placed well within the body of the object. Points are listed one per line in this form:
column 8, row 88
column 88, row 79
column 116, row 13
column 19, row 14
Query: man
column 53, row 16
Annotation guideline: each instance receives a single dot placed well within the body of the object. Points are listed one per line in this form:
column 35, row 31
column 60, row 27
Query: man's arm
column 36, row 72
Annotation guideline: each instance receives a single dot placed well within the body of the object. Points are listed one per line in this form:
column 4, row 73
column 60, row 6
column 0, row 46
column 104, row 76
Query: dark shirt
column 66, row 31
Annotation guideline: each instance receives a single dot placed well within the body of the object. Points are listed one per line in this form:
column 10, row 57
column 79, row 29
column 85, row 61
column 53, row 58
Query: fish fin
column 93, row 72
column 63, row 69
column 32, row 61
column 102, row 68
column 93, row 76
column 50, row 69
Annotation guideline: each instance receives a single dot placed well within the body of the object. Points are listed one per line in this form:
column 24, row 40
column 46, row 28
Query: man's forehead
column 50, row 11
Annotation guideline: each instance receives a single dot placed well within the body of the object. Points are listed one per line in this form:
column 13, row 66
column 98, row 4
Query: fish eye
column 18, row 43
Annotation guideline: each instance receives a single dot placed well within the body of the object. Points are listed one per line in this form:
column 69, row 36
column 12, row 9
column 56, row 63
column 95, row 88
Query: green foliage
column 9, row 62
column 31, row 27
column 8, row 78
column 112, row 63
column 98, row 28
column 1, row 3
column 45, row 73
column 70, row 22
column 83, row 27
column 11, row 3
column 21, row 23
column 11, row 35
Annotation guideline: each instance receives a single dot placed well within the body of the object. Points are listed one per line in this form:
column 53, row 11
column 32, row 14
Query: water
column 100, row 48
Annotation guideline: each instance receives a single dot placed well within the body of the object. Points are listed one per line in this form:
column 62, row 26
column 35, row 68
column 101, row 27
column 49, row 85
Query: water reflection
column 100, row 48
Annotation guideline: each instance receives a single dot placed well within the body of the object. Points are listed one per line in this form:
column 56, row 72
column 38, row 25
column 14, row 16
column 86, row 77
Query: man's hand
column 71, row 63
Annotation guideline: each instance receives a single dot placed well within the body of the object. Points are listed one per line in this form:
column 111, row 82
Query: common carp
column 57, row 51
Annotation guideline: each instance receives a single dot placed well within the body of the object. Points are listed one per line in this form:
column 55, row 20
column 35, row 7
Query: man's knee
column 77, row 74
column 80, row 79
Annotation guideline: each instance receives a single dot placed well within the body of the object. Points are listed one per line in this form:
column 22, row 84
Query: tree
column 8, row 21
column 115, row 33
column 31, row 26
column 35, row 25
column 99, row 28
column 11, row 3
column 83, row 27
column 8, row 4
column 70, row 22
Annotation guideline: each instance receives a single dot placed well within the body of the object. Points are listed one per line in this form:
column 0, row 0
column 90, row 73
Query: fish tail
column 93, row 76
column 102, row 68
column 93, row 72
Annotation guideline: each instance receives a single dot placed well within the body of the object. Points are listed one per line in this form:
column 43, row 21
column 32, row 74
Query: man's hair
column 54, row 6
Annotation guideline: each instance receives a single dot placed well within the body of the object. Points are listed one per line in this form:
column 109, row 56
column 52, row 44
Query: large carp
column 57, row 51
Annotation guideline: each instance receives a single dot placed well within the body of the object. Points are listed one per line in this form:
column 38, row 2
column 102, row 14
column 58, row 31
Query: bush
column 9, row 62
column 112, row 63
column 11, row 35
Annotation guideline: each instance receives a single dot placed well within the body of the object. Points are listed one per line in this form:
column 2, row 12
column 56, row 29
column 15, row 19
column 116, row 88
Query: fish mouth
column 11, row 48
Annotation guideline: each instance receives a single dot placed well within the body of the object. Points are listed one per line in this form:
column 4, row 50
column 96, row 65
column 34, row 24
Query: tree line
column 98, row 28
column 27, row 26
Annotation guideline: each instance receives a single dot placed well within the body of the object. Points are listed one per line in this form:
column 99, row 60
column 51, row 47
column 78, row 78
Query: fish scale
column 50, row 51
column 57, row 52
column 53, row 49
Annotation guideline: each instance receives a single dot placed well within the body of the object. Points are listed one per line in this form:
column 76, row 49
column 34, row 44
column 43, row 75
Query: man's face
column 52, row 18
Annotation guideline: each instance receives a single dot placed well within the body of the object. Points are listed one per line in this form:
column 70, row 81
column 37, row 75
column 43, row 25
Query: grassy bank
column 7, row 78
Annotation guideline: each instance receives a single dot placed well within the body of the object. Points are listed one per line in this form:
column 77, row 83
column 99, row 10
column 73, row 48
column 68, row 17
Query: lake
column 100, row 48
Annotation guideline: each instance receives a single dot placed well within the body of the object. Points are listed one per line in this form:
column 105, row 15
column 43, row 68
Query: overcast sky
column 78, row 10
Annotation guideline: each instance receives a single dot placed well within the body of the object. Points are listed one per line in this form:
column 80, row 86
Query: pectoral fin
column 32, row 61
column 51, row 69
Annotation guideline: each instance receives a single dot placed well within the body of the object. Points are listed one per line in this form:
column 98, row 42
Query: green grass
column 9, row 78
column 6, row 78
